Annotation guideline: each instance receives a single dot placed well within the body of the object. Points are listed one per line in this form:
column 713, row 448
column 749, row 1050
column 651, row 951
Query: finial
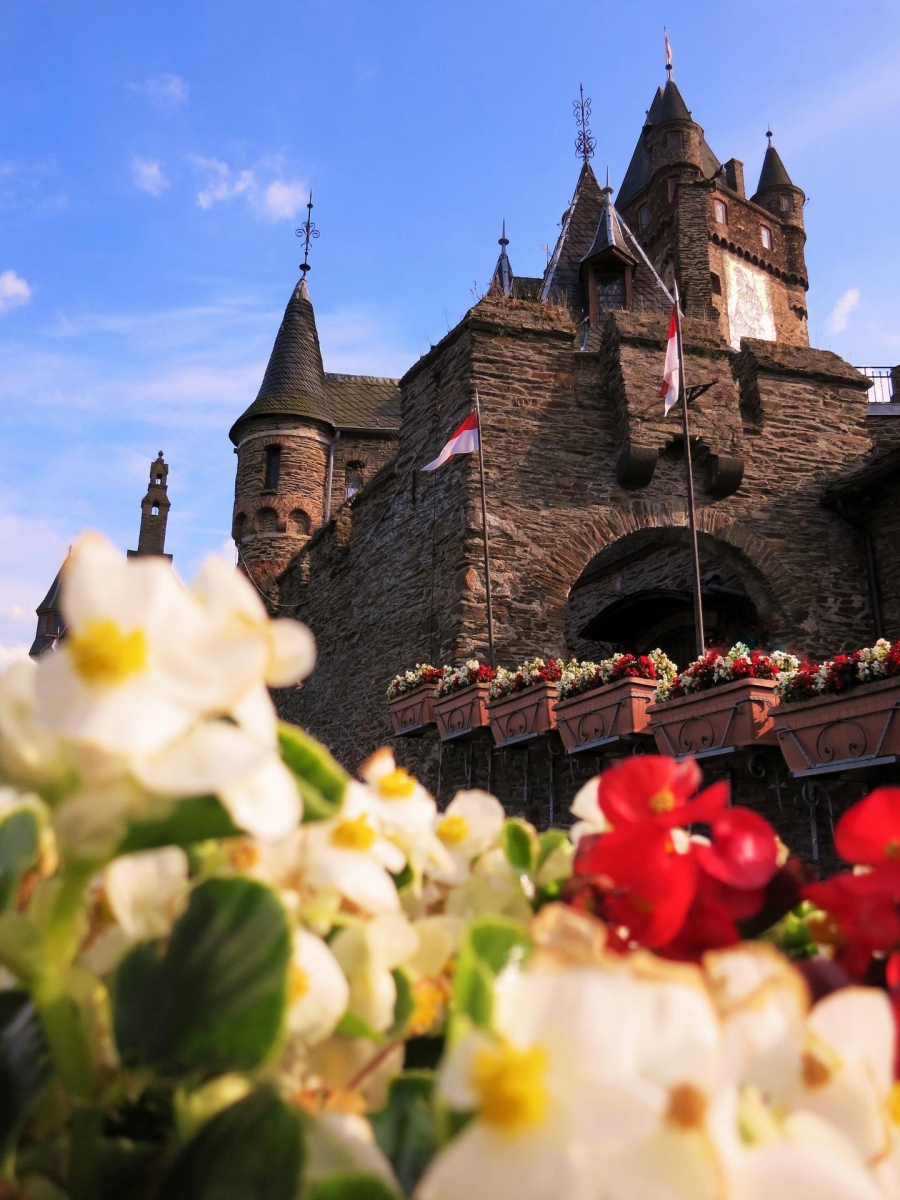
column 160, row 454
column 769, row 134
column 607, row 190
column 307, row 231
column 668, row 53
column 503, row 240
column 584, row 143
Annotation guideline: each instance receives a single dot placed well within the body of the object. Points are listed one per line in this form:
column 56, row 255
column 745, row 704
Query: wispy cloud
column 839, row 315
column 844, row 102
column 165, row 92
column 14, row 291
column 148, row 176
column 31, row 187
column 261, row 186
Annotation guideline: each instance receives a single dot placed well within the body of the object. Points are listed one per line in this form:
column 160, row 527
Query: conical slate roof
column 671, row 106
column 579, row 227
column 773, row 173
column 667, row 105
column 609, row 235
column 503, row 274
column 294, row 382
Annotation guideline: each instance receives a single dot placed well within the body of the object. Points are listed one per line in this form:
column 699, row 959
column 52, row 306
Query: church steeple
column 154, row 512
column 776, row 191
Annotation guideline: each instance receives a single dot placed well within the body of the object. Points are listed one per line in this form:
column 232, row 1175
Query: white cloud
column 220, row 182
column 14, row 291
column 148, row 175
column 165, row 92
column 31, row 551
column 282, row 200
column 12, row 654
column 837, row 320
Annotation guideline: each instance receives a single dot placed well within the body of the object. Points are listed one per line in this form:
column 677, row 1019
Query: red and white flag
column 463, row 441
column 668, row 50
column 671, row 372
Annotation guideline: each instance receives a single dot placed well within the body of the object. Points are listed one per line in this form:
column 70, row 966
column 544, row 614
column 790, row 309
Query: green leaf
column 352, row 1026
column 24, row 1063
column 549, row 842
column 488, row 946
column 405, row 1128
column 520, row 844
column 252, row 1149
column 404, row 1005
column 193, row 820
column 20, row 840
column 349, row 1187
column 213, row 998
column 320, row 779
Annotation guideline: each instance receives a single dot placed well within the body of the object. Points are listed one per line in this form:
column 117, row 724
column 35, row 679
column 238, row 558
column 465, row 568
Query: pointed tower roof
column 294, row 382
column 667, row 105
column 609, row 235
column 503, row 274
column 773, row 172
column 579, row 227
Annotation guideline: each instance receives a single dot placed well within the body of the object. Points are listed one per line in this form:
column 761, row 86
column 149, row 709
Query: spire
column 50, row 623
column 667, row 105
column 154, row 512
column 584, row 143
column 773, row 172
column 294, row 382
column 579, row 224
column 503, row 271
column 307, row 231
column 672, row 107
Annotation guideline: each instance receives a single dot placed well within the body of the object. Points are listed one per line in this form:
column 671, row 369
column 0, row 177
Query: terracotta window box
column 843, row 732
column 720, row 720
column 461, row 714
column 605, row 714
column 413, row 712
column 523, row 715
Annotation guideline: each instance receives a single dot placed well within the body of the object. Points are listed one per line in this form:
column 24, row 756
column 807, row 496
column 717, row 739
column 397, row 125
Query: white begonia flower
column 247, row 776
column 337, row 1143
column 599, row 1077
column 340, row 1061
column 586, row 806
column 133, row 671
column 492, row 889
column 31, row 755
column 285, row 649
column 349, row 855
column 318, row 991
column 470, row 824
column 147, row 891
column 367, row 954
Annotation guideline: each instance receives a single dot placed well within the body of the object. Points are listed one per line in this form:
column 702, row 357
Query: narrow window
column 672, row 183
column 154, row 511
column 715, row 283
column 644, row 217
column 787, row 204
column 721, row 212
column 273, row 468
column 159, row 479
column 766, row 234
column 353, row 480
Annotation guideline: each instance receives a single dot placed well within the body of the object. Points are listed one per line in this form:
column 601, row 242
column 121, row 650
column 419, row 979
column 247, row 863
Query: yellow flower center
column 298, row 983
column 814, row 1070
column 687, row 1106
column 509, row 1084
column 663, row 801
column 453, row 830
column 243, row 855
column 893, row 1103
column 892, row 849
column 430, row 997
column 353, row 833
column 396, row 785
column 105, row 655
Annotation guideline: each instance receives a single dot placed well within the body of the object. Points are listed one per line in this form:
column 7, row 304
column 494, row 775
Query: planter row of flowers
column 836, row 715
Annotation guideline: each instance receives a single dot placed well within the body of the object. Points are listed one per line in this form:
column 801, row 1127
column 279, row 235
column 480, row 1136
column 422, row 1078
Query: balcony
column 884, row 394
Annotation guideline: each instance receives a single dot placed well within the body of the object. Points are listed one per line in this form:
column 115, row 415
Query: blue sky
column 154, row 161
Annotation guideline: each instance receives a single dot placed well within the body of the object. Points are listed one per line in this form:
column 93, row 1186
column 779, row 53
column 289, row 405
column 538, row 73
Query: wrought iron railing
column 882, row 389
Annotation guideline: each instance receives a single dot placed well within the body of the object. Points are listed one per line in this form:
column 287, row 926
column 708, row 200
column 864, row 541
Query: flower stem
column 84, row 1152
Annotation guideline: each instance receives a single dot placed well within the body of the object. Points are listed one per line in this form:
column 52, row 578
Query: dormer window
column 721, row 212
column 610, row 287
column 273, row 468
column 765, row 234
column 644, row 217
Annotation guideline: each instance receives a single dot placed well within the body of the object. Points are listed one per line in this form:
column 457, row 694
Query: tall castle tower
column 154, row 512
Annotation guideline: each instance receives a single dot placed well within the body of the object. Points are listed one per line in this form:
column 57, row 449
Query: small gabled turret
column 502, row 279
column 608, row 267
column 776, row 191
column 50, row 624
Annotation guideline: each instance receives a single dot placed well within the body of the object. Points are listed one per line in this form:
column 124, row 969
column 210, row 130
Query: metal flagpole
column 689, row 471
column 484, row 526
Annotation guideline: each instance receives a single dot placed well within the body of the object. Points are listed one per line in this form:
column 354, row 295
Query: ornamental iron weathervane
column 307, row 231
column 584, row 143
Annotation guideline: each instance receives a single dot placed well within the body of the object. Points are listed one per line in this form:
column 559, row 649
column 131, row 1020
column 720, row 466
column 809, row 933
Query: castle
column 794, row 470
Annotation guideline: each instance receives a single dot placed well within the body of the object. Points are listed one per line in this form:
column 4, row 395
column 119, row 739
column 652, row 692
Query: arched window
column 299, row 522
column 353, row 479
column 154, row 510
column 273, row 468
column 267, row 520
column 159, row 479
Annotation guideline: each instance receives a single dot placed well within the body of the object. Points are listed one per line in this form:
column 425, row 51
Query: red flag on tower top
column 671, row 371
column 668, row 49
column 464, row 440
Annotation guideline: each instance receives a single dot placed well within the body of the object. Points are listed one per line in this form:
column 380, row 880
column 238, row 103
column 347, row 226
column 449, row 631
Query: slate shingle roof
column 561, row 280
column 609, row 232
column 295, row 383
column 773, row 172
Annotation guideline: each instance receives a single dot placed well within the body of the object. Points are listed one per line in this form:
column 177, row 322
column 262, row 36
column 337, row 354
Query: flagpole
column 484, row 526
column 689, row 472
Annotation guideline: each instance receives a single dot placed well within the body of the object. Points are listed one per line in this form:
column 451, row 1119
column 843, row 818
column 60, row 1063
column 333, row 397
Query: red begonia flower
column 708, row 926
column 743, row 852
column 864, row 909
column 869, row 832
column 655, row 788
column 640, row 882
